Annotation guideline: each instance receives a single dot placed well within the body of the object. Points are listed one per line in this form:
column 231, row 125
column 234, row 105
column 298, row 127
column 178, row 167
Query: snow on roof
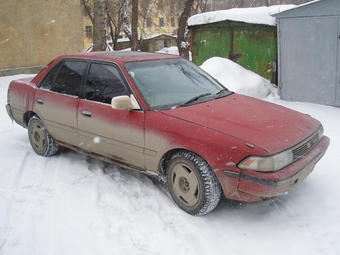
column 155, row 35
column 255, row 15
column 145, row 37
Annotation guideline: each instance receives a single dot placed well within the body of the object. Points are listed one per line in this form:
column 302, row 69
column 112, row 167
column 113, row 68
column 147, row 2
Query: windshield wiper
column 195, row 98
column 224, row 92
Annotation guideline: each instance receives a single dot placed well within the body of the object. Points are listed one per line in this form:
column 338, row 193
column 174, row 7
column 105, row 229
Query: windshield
column 171, row 83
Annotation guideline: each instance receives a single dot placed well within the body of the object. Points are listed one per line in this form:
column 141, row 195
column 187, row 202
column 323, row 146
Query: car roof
column 120, row 56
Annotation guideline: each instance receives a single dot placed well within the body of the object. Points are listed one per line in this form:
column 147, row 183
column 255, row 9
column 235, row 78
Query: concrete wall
column 32, row 33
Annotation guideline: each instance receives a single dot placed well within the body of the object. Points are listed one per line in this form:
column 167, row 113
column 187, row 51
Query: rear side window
column 49, row 78
column 65, row 78
column 103, row 83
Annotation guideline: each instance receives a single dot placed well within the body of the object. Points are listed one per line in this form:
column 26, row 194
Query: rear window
column 65, row 78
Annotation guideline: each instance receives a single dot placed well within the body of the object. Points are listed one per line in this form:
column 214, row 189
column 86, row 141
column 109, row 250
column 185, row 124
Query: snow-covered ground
column 73, row 204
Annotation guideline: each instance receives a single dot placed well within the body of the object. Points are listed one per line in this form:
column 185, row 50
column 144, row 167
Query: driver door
column 116, row 134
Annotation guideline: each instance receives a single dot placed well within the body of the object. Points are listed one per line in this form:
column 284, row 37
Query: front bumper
column 260, row 185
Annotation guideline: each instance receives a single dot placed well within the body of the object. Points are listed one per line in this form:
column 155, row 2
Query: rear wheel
column 41, row 141
column 192, row 184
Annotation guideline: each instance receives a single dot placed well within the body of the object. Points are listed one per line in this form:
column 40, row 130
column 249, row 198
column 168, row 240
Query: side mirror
column 125, row 103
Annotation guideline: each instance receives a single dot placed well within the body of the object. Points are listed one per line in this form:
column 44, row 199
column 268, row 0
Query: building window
column 172, row 6
column 173, row 22
column 88, row 31
column 160, row 4
column 148, row 22
column 161, row 22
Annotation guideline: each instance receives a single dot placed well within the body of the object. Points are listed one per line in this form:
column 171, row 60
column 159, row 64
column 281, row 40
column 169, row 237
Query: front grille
column 305, row 146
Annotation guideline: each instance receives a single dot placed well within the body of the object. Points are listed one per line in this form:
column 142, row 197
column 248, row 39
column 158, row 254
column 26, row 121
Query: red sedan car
column 164, row 116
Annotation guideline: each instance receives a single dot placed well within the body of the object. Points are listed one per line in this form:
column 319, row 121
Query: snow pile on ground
column 255, row 15
column 236, row 78
column 73, row 204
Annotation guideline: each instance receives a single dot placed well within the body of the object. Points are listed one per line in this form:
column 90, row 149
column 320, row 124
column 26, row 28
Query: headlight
column 267, row 164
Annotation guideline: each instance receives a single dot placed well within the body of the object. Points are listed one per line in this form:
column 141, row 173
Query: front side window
column 65, row 78
column 103, row 83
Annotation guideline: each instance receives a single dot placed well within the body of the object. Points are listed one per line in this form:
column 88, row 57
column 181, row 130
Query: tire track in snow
column 52, row 166
column 32, row 194
column 15, row 185
column 6, row 232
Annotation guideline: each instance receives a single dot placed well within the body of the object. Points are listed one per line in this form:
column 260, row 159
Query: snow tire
column 41, row 141
column 193, row 185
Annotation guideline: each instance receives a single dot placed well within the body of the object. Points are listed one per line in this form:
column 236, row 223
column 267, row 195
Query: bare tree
column 126, row 20
column 182, row 44
column 134, row 29
column 99, row 31
column 203, row 6
column 144, row 14
column 87, row 10
column 115, row 14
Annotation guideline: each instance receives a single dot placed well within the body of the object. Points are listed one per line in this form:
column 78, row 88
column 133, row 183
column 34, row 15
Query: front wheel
column 41, row 141
column 192, row 184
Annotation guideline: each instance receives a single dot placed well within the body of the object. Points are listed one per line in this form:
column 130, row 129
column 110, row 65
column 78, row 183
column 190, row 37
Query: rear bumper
column 261, row 185
column 9, row 111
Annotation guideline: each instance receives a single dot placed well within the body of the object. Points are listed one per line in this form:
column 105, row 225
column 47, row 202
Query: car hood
column 272, row 127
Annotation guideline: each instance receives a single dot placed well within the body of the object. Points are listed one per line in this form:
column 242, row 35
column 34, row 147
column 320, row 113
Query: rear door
column 118, row 135
column 56, row 100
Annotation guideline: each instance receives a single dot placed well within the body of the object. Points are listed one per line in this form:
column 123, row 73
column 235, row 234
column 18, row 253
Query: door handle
column 86, row 113
column 40, row 100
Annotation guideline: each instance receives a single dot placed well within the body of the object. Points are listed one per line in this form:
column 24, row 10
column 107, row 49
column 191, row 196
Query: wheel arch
column 27, row 116
column 165, row 159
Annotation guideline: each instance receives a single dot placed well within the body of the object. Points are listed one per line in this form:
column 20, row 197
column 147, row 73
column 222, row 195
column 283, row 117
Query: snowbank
column 72, row 204
column 256, row 15
column 236, row 78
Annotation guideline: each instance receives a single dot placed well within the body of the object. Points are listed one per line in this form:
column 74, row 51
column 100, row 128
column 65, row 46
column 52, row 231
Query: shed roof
column 312, row 9
column 147, row 37
column 255, row 15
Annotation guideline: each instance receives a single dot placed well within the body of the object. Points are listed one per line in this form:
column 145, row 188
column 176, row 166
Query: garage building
column 308, row 53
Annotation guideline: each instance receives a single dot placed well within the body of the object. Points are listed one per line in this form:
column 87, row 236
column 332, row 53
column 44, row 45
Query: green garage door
column 256, row 50
column 209, row 42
